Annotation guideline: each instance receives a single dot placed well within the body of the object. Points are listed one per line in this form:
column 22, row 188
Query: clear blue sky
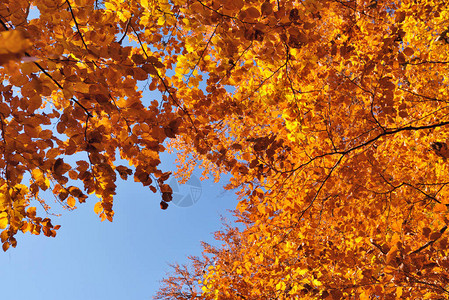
column 125, row 259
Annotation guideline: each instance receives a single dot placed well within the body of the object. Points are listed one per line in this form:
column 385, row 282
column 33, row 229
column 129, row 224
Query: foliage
column 330, row 116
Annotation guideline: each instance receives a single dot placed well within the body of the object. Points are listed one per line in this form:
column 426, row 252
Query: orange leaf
column 252, row 13
column 98, row 208
column 5, row 246
column 408, row 51
column 71, row 201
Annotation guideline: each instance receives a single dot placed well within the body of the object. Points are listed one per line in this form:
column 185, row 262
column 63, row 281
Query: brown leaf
column 58, row 167
column 163, row 205
column 124, row 172
column 167, row 197
column 5, row 246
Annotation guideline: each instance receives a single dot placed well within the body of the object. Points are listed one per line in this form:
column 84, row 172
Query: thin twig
column 76, row 24
column 126, row 31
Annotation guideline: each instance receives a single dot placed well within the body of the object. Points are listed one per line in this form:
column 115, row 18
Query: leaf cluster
column 330, row 116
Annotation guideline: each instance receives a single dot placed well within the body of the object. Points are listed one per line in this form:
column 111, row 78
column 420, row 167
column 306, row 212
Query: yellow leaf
column 161, row 21
column 110, row 6
column 398, row 292
column 144, row 3
column 3, row 201
column 3, row 220
column 280, row 286
column 302, row 272
column 316, row 282
column 98, row 208
column 37, row 175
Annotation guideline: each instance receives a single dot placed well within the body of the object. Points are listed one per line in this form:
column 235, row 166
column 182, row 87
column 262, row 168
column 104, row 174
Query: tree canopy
column 330, row 116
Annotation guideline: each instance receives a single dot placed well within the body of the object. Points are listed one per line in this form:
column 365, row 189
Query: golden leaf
column 3, row 220
column 71, row 201
column 98, row 208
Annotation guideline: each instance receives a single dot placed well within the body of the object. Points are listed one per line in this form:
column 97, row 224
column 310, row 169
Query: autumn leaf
column 163, row 205
column 98, row 208
column 167, row 197
column 3, row 220
column 31, row 212
column 58, row 167
column 71, row 202
column 5, row 246
column 165, row 188
column 13, row 44
column 124, row 172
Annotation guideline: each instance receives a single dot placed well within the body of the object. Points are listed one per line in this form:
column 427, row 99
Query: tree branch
column 76, row 24
column 442, row 230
